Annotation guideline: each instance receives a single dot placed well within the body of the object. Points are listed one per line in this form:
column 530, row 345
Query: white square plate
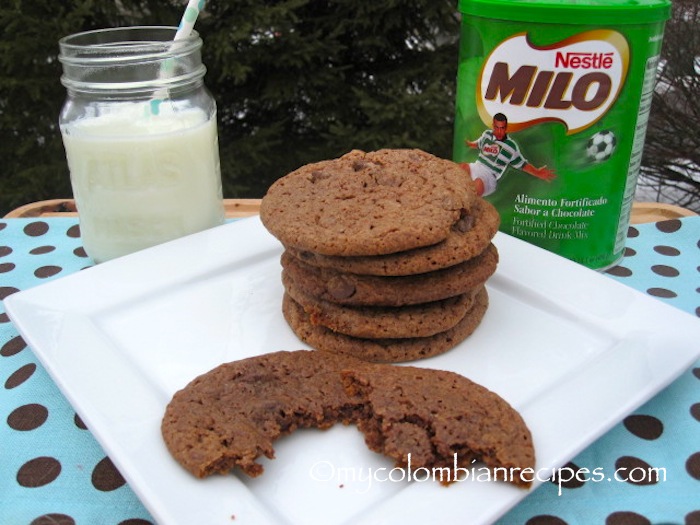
column 572, row 350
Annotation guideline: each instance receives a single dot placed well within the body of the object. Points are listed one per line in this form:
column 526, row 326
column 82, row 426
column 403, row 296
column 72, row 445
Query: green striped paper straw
column 189, row 17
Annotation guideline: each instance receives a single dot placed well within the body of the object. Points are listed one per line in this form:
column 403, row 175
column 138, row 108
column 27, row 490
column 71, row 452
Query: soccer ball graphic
column 601, row 146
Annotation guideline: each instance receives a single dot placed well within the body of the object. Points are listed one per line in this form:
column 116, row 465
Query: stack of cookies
column 386, row 253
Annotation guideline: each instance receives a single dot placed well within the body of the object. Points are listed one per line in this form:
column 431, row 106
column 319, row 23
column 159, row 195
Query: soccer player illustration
column 497, row 151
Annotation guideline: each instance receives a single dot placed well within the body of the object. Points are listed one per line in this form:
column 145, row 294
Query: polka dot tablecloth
column 52, row 471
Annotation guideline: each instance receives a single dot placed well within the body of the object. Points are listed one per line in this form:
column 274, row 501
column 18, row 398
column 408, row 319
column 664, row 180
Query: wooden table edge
column 642, row 212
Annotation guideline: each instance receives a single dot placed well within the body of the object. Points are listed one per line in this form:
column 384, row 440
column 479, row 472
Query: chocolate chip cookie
column 391, row 350
column 230, row 416
column 468, row 238
column 367, row 204
column 346, row 288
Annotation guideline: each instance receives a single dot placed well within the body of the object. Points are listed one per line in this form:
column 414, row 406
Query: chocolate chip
column 465, row 222
column 340, row 288
column 359, row 165
column 318, row 175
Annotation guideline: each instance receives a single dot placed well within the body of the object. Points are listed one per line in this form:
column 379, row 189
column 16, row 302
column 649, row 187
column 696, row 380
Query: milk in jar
column 140, row 179
column 140, row 133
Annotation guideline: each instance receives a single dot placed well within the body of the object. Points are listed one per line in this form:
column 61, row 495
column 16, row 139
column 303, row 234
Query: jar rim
column 125, row 43
column 130, row 59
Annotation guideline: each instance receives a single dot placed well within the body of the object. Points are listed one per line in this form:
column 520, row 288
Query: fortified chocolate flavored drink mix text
column 553, row 98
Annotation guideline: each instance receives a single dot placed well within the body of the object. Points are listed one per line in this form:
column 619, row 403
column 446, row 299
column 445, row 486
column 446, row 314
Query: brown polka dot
column 20, row 375
column 635, row 471
column 645, row 427
column 576, row 480
column 47, row 271
column 74, row 231
column 53, row 519
column 3, row 225
column 5, row 251
column 662, row 292
column 693, row 465
column 632, row 232
column 545, row 519
column 626, row 518
column 79, row 422
column 106, row 477
column 135, row 521
column 696, row 372
column 13, row 346
column 665, row 271
column 695, row 411
column 7, row 267
column 669, row 226
column 42, row 250
column 28, row 417
column 667, row 250
column 6, row 291
column 693, row 518
column 80, row 252
column 36, row 229
column 38, row 472
column 619, row 271
column 629, row 252
column 4, row 318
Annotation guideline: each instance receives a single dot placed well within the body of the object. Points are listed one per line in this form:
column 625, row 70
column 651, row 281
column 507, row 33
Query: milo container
column 553, row 98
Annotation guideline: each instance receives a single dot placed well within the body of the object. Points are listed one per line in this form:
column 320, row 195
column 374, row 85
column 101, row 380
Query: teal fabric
column 663, row 260
column 53, row 471
column 51, row 468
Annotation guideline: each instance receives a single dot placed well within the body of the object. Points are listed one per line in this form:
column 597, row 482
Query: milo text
column 574, row 81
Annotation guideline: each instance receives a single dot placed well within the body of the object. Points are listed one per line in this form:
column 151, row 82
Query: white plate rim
column 554, row 283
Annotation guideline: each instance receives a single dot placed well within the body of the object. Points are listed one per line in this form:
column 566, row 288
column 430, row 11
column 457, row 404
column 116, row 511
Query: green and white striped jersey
column 497, row 155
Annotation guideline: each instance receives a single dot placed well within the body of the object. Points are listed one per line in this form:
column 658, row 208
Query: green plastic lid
column 597, row 12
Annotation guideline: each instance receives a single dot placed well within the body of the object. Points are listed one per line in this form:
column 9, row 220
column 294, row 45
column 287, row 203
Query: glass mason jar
column 140, row 133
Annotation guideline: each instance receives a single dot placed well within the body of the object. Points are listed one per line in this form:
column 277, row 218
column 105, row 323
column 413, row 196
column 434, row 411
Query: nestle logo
column 581, row 60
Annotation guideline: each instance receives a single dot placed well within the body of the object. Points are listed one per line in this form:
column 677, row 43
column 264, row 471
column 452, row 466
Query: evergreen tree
column 298, row 81
column 295, row 81
column 671, row 161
